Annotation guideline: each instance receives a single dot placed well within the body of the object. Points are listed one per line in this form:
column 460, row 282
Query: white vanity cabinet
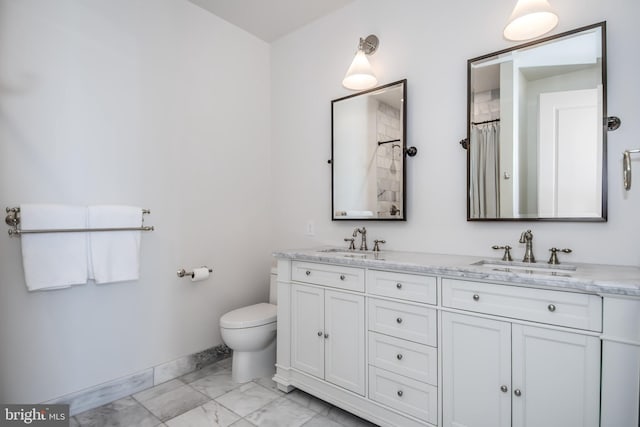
column 495, row 372
column 327, row 335
column 502, row 373
column 424, row 343
column 403, row 361
column 362, row 339
column 327, row 325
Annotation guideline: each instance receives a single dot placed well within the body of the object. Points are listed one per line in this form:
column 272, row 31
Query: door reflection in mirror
column 536, row 130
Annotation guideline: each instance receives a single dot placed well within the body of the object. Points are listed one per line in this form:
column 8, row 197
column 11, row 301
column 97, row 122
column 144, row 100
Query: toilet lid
column 247, row 317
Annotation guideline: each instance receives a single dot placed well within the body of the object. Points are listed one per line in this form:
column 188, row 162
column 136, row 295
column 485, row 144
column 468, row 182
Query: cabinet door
column 556, row 378
column 307, row 329
column 344, row 344
column 476, row 372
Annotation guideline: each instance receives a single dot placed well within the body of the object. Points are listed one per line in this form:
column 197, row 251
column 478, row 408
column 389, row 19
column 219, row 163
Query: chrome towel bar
column 13, row 219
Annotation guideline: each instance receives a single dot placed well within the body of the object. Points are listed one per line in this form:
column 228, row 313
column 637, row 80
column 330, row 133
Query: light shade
column 530, row 19
column 360, row 76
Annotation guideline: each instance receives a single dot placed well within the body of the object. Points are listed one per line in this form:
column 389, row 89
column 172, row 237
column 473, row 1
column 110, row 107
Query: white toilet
column 251, row 333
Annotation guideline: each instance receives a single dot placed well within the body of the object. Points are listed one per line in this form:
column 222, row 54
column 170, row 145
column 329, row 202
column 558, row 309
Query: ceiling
column 270, row 19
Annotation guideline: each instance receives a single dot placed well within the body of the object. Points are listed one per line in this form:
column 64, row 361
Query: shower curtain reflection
column 485, row 170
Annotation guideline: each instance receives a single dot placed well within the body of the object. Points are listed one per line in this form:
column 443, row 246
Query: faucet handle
column 507, row 252
column 352, row 246
column 554, row 255
column 376, row 245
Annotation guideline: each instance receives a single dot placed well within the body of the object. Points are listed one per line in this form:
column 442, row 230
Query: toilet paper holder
column 184, row 273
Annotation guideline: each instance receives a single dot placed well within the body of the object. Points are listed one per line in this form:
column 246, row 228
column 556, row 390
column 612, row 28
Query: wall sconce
column 530, row 19
column 360, row 76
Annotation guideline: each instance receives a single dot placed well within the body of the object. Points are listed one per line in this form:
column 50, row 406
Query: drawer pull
column 504, row 389
column 551, row 308
column 399, row 285
column 326, row 336
column 399, row 356
column 476, row 297
column 400, row 393
column 308, row 273
column 517, row 392
column 342, row 277
column 399, row 320
column 319, row 333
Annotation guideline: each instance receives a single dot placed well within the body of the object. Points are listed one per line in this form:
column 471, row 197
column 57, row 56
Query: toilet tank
column 273, row 286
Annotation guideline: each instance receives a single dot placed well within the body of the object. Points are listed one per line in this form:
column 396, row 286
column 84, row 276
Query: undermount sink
column 352, row 253
column 525, row 267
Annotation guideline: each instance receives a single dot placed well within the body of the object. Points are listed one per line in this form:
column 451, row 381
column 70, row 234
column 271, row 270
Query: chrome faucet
column 527, row 237
column 363, row 232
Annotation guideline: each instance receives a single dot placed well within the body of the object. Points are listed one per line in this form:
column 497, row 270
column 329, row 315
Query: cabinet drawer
column 410, row 322
column 336, row 276
column 403, row 357
column 574, row 310
column 404, row 394
column 411, row 287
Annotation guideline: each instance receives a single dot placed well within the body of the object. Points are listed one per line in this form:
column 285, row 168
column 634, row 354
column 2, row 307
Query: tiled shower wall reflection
column 486, row 105
column 389, row 161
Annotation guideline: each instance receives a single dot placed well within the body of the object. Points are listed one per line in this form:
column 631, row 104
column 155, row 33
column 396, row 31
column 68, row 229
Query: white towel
column 53, row 260
column 114, row 256
column 359, row 213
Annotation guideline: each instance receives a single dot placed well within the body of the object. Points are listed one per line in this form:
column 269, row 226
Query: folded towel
column 53, row 260
column 114, row 256
column 359, row 213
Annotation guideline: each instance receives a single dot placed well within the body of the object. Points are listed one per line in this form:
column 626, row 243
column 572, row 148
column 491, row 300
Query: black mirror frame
column 411, row 151
column 605, row 126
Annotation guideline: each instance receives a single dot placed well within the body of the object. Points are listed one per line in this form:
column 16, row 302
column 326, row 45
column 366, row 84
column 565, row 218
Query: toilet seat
column 250, row 316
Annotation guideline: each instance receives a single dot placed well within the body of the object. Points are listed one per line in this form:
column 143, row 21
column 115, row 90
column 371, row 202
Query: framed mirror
column 537, row 130
column 368, row 145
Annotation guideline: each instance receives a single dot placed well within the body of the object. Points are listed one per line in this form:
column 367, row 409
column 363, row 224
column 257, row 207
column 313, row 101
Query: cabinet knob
column 517, row 392
column 326, row 336
column 399, row 356
column 551, row 308
column 308, row 273
column 319, row 333
column 400, row 393
column 504, row 388
column 476, row 297
column 399, row 320
column 399, row 285
column 342, row 277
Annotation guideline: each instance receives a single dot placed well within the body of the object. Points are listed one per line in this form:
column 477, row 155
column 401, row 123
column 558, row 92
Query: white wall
column 155, row 103
column 429, row 44
column 160, row 104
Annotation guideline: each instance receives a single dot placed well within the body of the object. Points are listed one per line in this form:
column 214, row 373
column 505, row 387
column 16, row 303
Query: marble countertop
column 591, row 278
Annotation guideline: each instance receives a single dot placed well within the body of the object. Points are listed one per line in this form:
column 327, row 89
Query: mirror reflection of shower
column 389, row 170
column 367, row 182
column 393, row 169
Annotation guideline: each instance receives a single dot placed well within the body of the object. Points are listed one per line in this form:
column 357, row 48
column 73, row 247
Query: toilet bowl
column 251, row 333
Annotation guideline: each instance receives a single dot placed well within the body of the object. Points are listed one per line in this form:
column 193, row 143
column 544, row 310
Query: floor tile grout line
column 241, row 417
column 183, row 384
column 262, row 383
column 198, row 391
column 211, row 399
column 287, row 397
column 263, row 406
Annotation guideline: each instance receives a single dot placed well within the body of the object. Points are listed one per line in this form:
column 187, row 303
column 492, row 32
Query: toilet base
column 247, row 365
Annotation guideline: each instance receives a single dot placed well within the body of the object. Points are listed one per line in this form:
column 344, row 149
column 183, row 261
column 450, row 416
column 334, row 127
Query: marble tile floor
column 209, row 398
